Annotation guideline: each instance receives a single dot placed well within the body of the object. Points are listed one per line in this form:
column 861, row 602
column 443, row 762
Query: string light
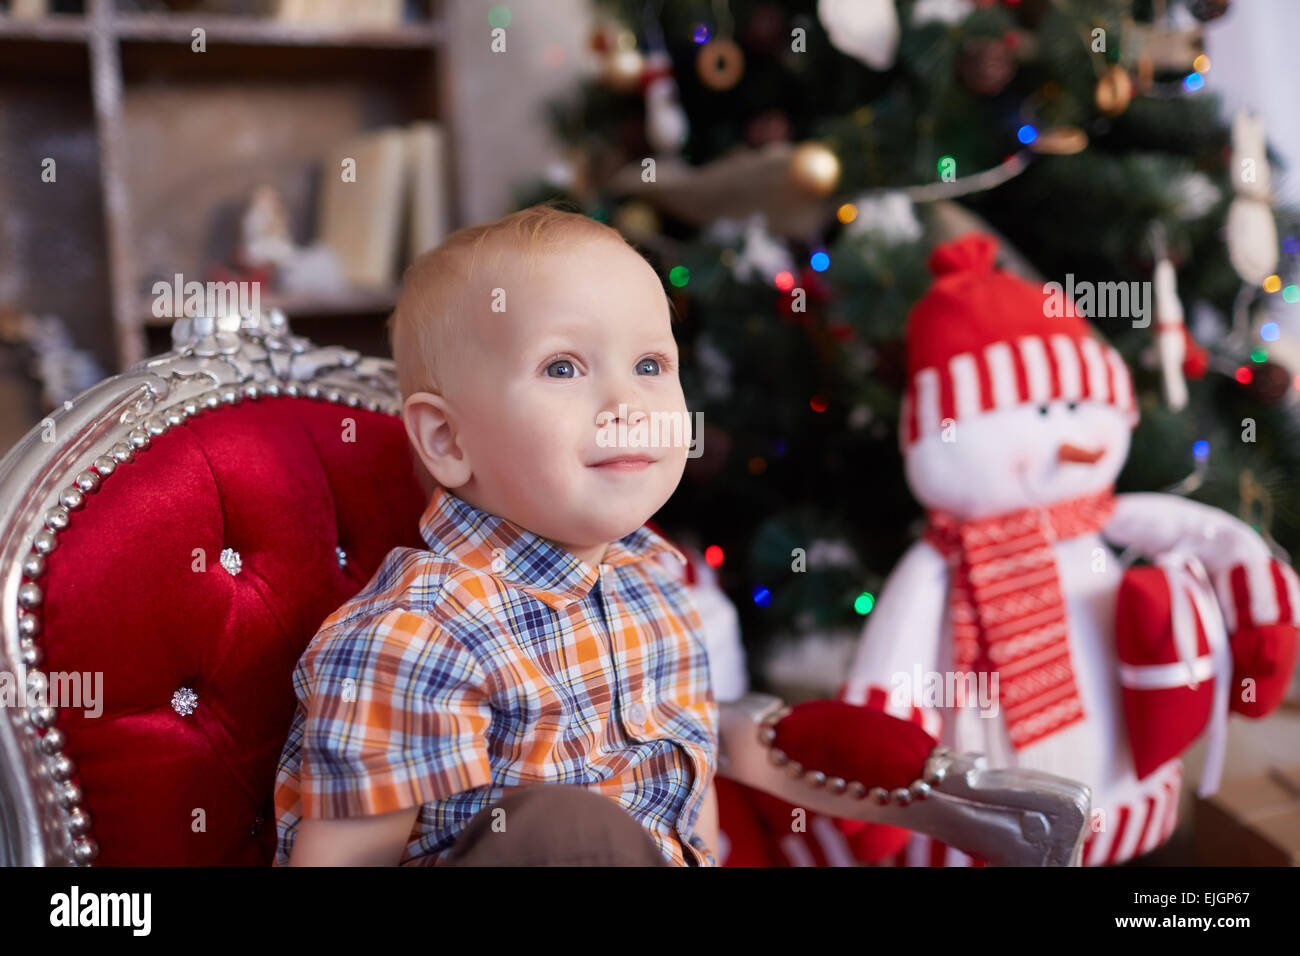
column 762, row 596
column 1258, row 355
column 701, row 33
column 864, row 602
column 1291, row 293
column 846, row 213
column 1269, row 330
column 1273, row 283
column 1193, row 82
column 1291, row 244
column 817, row 403
column 713, row 556
column 1244, row 375
column 679, row 276
column 820, row 261
column 1201, row 450
column 784, row 281
column 1201, row 64
column 1027, row 134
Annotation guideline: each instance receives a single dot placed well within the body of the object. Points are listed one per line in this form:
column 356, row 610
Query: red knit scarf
column 1008, row 612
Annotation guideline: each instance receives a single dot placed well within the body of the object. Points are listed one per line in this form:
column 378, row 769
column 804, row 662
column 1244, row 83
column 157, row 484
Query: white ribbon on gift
column 1186, row 575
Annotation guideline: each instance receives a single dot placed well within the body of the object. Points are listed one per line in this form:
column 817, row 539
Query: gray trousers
column 554, row 825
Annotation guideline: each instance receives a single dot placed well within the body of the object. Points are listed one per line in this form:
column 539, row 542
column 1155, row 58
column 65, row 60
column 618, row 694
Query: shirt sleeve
column 397, row 715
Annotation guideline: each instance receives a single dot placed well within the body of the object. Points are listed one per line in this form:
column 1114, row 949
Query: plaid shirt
column 496, row 660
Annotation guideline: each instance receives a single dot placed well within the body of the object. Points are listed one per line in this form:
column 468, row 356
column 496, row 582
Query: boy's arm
column 386, row 728
column 354, row 841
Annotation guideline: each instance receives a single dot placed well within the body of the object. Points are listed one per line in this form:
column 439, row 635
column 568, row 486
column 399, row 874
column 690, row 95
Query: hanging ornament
column 1114, row 91
column 864, row 29
column 1171, row 342
column 1251, row 233
column 1197, row 361
column 1206, row 10
column 665, row 126
column 815, row 169
column 987, row 65
column 720, row 64
column 621, row 69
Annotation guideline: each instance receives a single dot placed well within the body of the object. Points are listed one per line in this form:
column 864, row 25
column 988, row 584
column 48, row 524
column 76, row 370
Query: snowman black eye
column 1042, row 410
column 1072, row 406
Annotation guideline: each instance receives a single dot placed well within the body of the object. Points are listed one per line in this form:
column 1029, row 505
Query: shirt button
column 637, row 713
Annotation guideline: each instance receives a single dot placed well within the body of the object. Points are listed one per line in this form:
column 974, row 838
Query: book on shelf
column 393, row 189
column 369, row 13
column 360, row 208
column 426, row 176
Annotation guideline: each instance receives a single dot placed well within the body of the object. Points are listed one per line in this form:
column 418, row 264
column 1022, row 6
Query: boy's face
column 537, row 402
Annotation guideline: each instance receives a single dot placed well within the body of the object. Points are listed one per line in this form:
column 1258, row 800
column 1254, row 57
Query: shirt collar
column 453, row 527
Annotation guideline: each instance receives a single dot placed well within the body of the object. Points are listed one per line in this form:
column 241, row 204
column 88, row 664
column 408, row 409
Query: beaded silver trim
column 231, row 561
column 341, row 555
column 214, row 363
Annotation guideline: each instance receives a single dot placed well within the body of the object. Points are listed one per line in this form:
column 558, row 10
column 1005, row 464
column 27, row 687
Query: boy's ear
column 435, row 438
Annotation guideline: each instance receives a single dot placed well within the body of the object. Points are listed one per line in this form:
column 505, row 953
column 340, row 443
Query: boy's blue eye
column 651, row 362
column 562, row 364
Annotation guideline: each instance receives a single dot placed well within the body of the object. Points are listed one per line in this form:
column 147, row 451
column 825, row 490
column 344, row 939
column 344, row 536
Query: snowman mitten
column 1260, row 602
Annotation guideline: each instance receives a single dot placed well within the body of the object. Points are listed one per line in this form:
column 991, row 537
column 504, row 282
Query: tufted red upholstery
column 274, row 479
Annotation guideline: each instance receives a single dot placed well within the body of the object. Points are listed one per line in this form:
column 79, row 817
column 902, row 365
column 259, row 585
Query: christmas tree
column 788, row 167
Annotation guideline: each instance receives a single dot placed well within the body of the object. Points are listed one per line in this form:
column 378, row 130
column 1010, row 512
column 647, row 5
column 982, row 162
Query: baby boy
column 542, row 638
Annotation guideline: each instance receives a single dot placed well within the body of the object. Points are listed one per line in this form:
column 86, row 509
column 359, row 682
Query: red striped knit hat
column 980, row 340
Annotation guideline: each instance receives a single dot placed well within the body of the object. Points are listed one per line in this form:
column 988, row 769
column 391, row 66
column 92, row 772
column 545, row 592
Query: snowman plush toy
column 1013, row 628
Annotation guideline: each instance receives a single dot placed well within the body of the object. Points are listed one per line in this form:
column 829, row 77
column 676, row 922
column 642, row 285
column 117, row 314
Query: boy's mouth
column 624, row 463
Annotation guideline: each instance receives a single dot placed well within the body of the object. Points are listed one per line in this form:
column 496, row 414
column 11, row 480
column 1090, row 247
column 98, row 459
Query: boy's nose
column 625, row 413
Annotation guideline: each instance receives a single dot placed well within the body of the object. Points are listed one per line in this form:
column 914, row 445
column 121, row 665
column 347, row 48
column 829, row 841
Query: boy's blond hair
column 422, row 328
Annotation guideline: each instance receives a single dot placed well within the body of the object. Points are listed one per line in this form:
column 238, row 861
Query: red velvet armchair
column 171, row 540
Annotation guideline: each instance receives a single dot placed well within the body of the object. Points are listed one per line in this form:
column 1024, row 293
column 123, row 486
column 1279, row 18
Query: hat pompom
column 974, row 252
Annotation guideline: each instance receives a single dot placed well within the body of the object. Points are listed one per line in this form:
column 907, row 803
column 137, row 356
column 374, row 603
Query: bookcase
column 157, row 149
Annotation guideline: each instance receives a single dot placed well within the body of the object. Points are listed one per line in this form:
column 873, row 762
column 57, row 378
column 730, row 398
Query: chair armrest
column 1006, row 816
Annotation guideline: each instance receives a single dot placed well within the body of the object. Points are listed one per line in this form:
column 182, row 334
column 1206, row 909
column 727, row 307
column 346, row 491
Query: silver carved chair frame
column 1004, row 816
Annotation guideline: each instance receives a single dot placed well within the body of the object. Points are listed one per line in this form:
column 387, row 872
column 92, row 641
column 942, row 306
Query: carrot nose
column 1068, row 452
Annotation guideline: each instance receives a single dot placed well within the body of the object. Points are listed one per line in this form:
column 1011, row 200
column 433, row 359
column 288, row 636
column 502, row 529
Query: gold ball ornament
column 621, row 69
column 815, row 169
column 720, row 63
column 1114, row 91
column 636, row 220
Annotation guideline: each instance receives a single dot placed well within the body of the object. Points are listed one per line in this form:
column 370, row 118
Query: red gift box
column 1175, row 663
